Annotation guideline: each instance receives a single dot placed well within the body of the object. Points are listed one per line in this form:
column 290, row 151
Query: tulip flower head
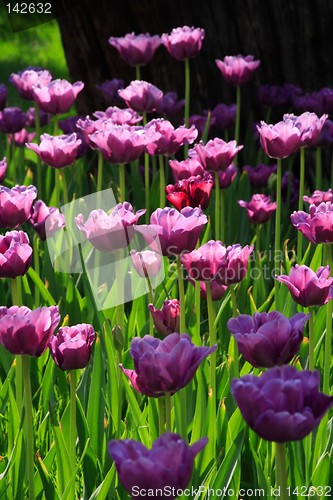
column 316, row 226
column 15, row 254
column 283, row 404
column 109, row 90
column 237, row 70
column 280, row 140
column 3, row 96
column 191, row 192
column 141, row 96
column 45, row 219
column 216, row 155
column 204, row 263
column 27, row 332
column 184, row 43
column 227, row 176
column 57, row 96
column 170, row 106
column 3, row 168
column 147, row 263
column 268, row 339
column 119, row 143
column 224, row 116
column 167, row 319
column 119, row 116
column 164, row 139
column 235, row 264
column 21, row 138
column 319, row 197
column 259, row 209
column 186, row 168
column 25, row 80
column 71, row 347
column 15, row 205
column 12, row 120
column 259, row 175
column 309, row 125
column 136, row 50
column 166, row 365
column 57, row 151
column 168, row 465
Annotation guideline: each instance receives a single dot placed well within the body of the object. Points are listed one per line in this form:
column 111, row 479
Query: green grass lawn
column 39, row 46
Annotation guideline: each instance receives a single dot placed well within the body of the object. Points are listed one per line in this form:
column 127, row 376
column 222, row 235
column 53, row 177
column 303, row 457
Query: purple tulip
column 200, row 122
column 147, row 263
column 57, row 151
column 136, row 50
column 216, row 155
column 164, row 365
column 15, row 254
column 45, row 219
column 164, row 139
column 109, row 233
column 21, row 138
column 141, row 96
column 12, row 120
column 3, row 168
column 71, row 347
column 204, row 263
column 259, row 175
column 109, row 90
column 216, row 289
column 167, row 466
column 309, row 125
column 178, row 232
column 25, row 80
column 119, row 143
column 69, row 125
column 309, row 102
column 259, row 209
column 167, row 319
column 268, row 339
column 227, row 177
column 187, row 168
column 191, row 192
column 316, row 226
column 237, row 70
column 283, row 404
column 15, row 205
column 319, row 197
column 57, row 96
column 274, row 96
column 184, row 43
column 170, row 106
column 309, row 288
column 44, row 118
column 25, row 331
column 224, row 116
column 119, row 116
column 3, row 96
column 235, row 264
column 280, row 140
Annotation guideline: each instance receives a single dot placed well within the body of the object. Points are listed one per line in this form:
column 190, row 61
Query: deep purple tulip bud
column 3, row 96
column 204, row 263
column 170, row 106
column 24, row 81
column 57, row 151
column 235, row 264
column 216, row 155
column 147, row 263
column 71, row 347
column 119, row 116
column 44, row 118
column 283, row 404
column 227, row 177
column 15, row 205
column 280, row 140
column 200, row 122
column 21, row 138
column 109, row 90
column 167, row 319
column 136, row 50
column 187, row 168
column 319, row 197
column 237, row 70
column 44, row 218
column 57, row 96
column 164, row 139
column 69, row 125
column 316, row 226
column 224, row 116
column 259, row 209
column 309, row 125
column 191, row 192
column 141, row 96
column 178, row 232
column 268, row 339
column 12, row 120
column 309, row 288
column 15, row 254
column 166, row 365
column 184, row 43
column 119, row 143
column 3, row 168
column 25, row 331
column 309, row 102
column 259, row 175
column 167, row 466
column 109, row 233
column 274, row 96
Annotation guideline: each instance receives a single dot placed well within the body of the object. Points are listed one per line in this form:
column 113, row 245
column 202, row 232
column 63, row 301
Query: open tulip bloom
column 57, row 96
column 237, row 70
column 184, row 43
column 57, row 151
column 136, row 50
column 317, row 225
column 15, row 205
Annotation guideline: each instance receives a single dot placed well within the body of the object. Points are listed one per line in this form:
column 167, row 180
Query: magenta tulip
column 71, row 347
column 235, row 264
column 237, row 70
column 57, row 96
column 309, row 125
column 25, row 80
column 227, row 176
column 57, row 151
column 119, row 143
column 141, row 96
column 187, row 168
column 15, row 205
column 15, row 254
column 184, row 43
column 280, row 140
column 167, row 319
column 119, row 116
column 316, row 226
column 216, row 155
column 3, row 168
column 45, row 219
column 147, row 263
column 259, row 209
column 319, row 197
column 164, row 139
column 136, row 50
column 21, row 138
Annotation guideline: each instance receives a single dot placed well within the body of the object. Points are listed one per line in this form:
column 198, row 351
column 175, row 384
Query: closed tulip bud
column 216, row 155
column 167, row 319
column 316, row 226
column 71, row 347
column 147, row 263
column 15, row 254
column 12, row 120
column 259, row 209
column 141, row 96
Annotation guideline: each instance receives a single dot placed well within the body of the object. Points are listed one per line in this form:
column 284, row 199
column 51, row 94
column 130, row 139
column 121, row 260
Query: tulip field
column 166, row 286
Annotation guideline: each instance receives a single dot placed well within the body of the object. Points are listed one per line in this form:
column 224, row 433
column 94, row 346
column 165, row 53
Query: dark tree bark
column 293, row 39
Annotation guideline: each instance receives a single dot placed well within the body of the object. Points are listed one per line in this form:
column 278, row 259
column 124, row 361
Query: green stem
column 147, row 187
column 168, row 411
column 29, row 426
column 278, row 228
column 120, row 322
column 72, row 425
column 187, row 99
column 318, row 168
column 235, row 354
column 161, row 416
column 39, row 163
column 151, row 301
column 137, row 72
column 122, row 182
column 17, row 300
column 100, row 171
column 181, row 296
column 281, row 470
column 300, row 202
column 328, row 336
column 162, row 181
column 222, row 213
column 197, row 301
column 238, row 109
column 62, row 180
column 217, row 206
column 36, row 266
column 212, row 341
column 311, row 340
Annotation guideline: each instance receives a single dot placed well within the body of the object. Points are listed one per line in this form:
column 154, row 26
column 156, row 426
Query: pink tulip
column 237, row 70
column 57, row 96
column 184, row 43
column 57, row 151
